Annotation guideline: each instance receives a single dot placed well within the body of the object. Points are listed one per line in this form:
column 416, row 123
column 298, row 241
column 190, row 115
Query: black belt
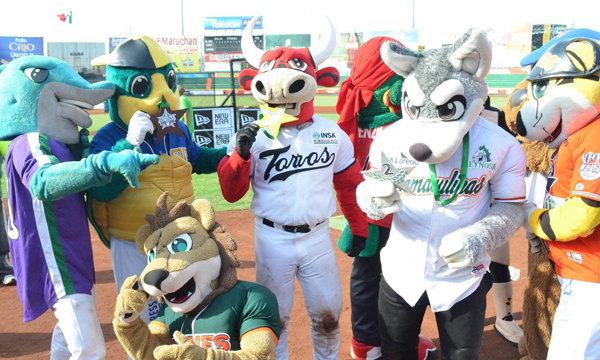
column 290, row 228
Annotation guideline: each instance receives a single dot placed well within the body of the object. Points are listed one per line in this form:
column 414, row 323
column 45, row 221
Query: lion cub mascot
column 205, row 309
column 563, row 111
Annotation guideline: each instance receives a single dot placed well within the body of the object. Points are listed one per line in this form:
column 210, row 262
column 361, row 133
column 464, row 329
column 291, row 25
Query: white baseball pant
column 281, row 256
column 576, row 325
column 77, row 334
column 128, row 261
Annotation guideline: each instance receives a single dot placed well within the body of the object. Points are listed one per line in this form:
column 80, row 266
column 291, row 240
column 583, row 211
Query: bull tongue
column 184, row 293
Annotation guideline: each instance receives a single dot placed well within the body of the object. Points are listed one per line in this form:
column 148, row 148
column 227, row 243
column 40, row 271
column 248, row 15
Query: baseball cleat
column 9, row 280
column 509, row 330
column 360, row 351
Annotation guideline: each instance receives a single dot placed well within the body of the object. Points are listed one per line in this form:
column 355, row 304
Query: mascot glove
column 139, row 125
column 126, row 163
column 131, row 301
column 453, row 251
column 534, row 241
column 357, row 244
column 378, row 199
column 244, row 139
column 529, row 209
column 185, row 349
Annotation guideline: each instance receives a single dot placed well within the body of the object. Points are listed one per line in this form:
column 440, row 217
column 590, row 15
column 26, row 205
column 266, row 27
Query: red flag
column 62, row 17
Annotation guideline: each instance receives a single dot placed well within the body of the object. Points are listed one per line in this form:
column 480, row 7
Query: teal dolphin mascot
column 48, row 168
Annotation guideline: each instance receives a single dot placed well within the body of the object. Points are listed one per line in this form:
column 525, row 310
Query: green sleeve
column 260, row 310
column 57, row 180
column 117, row 184
column 209, row 160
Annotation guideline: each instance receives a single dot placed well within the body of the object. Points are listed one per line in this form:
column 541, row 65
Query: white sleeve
column 345, row 154
column 231, row 145
column 508, row 183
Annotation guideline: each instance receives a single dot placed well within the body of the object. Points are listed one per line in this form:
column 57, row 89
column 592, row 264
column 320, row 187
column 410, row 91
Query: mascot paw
column 131, row 301
column 357, row 244
column 534, row 241
column 452, row 250
column 185, row 349
column 139, row 125
column 378, row 198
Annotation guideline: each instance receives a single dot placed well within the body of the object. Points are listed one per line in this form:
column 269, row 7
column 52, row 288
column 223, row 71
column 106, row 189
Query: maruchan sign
column 14, row 47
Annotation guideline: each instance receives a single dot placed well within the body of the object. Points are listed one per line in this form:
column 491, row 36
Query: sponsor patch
column 577, row 257
column 324, row 138
column 590, row 168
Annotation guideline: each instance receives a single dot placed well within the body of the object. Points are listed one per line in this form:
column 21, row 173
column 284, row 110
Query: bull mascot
column 291, row 166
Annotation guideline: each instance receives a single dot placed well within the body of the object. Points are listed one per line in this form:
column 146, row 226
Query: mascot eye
column 539, row 89
column 453, row 109
column 181, row 243
column 413, row 111
column 298, row 64
column 139, row 85
column 37, row 75
column 267, row 65
column 171, row 80
column 151, row 254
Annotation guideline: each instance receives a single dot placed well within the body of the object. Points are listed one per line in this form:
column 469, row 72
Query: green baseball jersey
column 223, row 323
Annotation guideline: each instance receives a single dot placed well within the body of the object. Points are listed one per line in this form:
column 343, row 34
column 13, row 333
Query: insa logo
column 324, row 138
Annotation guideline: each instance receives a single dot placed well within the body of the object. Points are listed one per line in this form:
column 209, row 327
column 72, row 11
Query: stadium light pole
column 182, row 17
column 413, row 18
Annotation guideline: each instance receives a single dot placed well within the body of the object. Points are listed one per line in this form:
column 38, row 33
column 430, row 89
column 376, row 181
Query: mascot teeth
column 184, row 293
column 77, row 103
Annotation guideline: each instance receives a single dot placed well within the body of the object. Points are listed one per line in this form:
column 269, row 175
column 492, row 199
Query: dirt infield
column 32, row 340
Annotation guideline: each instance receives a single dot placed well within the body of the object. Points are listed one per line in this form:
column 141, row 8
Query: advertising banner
column 113, row 42
column 213, row 127
column 184, row 50
column 13, row 47
column 247, row 115
column 345, row 50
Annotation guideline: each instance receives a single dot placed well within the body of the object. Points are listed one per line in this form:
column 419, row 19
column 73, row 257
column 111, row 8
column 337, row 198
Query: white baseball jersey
column 292, row 175
column 410, row 261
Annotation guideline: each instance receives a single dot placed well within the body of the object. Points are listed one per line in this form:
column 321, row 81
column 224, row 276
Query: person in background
column 185, row 103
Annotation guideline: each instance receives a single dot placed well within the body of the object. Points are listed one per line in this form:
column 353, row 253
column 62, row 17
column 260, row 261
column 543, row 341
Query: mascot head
column 143, row 74
column 288, row 76
column 191, row 258
column 443, row 94
column 564, row 92
column 45, row 95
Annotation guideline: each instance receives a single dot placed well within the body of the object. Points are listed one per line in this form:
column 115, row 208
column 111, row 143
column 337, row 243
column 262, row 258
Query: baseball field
column 32, row 340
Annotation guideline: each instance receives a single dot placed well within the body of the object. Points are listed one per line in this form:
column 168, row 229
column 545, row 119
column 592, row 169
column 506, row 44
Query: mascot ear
column 398, row 58
column 140, row 237
column 245, row 78
column 472, row 54
column 203, row 211
column 328, row 77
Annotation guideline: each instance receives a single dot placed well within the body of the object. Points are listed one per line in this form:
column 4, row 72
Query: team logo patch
column 579, row 187
column 590, row 168
column 324, row 138
column 477, row 269
column 482, row 159
column 577, row 257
